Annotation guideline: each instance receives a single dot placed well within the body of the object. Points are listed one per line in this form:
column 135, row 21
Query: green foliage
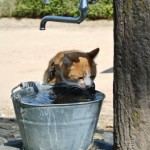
column 101, row 10
column 6, row 7
column 37, row 9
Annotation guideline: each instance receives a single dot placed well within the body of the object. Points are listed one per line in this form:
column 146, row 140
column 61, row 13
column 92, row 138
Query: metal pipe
column 62, row 19
column 83, row 7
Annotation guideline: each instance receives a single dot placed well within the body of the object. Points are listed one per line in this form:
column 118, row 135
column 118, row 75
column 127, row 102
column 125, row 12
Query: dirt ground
column 25, row 52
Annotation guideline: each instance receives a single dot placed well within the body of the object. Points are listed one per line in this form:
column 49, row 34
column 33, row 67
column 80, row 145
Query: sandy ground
column 25, row 52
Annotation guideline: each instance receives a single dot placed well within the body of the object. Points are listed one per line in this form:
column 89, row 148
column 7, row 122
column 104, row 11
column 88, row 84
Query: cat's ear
column 93, row 53
column 66, row 59
column 70, row 57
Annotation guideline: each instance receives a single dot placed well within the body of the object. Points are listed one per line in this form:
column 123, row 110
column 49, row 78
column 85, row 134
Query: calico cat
column 72, row 68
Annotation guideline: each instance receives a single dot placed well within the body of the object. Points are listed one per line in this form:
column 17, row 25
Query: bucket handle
column 12, row 91
column 24, row 85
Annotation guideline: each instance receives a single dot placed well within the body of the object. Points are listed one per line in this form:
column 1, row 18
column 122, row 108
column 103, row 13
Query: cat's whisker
column 73, row 90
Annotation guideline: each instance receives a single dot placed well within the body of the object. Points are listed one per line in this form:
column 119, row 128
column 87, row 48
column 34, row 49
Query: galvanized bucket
column 56, row 126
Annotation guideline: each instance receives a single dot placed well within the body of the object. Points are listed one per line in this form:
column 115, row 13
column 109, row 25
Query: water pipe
column 83, row 7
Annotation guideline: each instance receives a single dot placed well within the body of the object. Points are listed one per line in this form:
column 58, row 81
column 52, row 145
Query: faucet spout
column 62, row 19
column 83, row 11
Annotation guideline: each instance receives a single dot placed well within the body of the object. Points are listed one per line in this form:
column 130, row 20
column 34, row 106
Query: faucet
column 83, row 7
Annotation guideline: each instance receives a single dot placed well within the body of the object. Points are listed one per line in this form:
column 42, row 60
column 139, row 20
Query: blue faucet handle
column 47, row 1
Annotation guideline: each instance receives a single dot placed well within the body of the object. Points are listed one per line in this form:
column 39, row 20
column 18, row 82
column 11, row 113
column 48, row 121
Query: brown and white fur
column 73, row 68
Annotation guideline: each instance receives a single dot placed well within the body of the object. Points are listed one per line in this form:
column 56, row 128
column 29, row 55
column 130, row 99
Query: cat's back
column 60, row 55
column 54, row 64
column 72, row 67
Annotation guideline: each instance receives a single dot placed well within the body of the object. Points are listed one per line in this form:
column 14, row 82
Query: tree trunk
column 132, row 74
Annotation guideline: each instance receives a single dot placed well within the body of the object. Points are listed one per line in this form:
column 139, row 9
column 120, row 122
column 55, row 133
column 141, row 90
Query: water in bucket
column 61, row 94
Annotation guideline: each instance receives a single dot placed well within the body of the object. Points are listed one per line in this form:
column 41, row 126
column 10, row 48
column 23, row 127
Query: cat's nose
column 86, row 86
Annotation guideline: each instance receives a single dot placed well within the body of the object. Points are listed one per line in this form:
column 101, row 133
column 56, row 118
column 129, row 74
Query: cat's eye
column 92, row 77
column 80, row 78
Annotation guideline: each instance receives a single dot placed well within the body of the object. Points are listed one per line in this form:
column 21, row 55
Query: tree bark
column 131, row 74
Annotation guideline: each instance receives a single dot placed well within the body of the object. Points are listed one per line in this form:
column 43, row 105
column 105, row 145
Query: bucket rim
column 65, row 104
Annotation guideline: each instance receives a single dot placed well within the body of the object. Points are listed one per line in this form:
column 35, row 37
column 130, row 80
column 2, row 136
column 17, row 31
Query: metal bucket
column 56, row 126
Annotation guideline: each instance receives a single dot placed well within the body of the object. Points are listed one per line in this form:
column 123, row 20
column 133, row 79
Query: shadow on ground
column 109, row 70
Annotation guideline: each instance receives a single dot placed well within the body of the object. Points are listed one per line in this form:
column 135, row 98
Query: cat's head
column 79, row 68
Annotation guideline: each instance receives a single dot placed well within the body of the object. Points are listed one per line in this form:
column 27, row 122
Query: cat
column 72, row 68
